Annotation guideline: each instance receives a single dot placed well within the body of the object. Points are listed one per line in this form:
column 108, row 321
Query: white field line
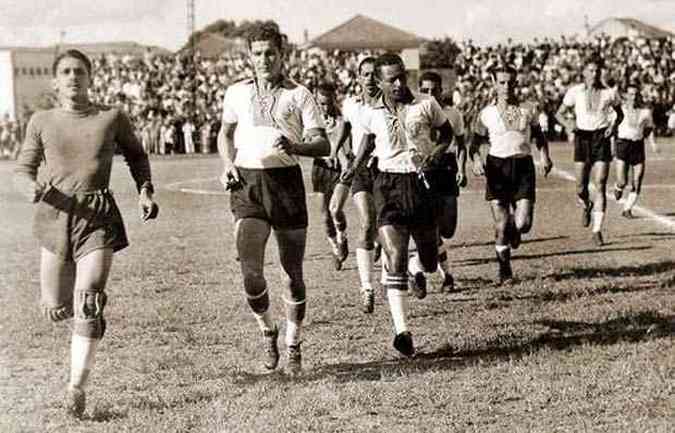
column 178, row 186
column 667, row 222
column 641, row 210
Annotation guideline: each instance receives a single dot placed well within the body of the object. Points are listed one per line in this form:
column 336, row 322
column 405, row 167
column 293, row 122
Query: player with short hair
column 637, row 124
column 399, row 131
column 591, row 103
column 354, row 110
column 77, row 221
column 267, row 122
column 326, row 173
column 502, row 138
column 450, row 176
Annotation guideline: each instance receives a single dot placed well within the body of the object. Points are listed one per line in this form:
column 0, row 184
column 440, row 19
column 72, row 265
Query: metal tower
column 190, row 18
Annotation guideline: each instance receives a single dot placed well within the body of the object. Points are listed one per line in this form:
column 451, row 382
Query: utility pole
column 192, row 69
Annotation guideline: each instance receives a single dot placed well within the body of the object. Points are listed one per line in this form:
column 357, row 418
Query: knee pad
column 89, row 321
column 254, row 285
column 59, row 312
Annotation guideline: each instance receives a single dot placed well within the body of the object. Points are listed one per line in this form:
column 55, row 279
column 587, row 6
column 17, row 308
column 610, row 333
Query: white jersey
column 634, row 122
column 592, row 110
column 508, row 137
column 353, row 109
column 396, row 134
column 262, row 120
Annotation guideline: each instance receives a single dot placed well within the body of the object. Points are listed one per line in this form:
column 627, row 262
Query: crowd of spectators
column 548, row 67
column 175, row 100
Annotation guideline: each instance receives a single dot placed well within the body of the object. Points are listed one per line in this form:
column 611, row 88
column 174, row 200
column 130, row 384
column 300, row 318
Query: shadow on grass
column 622, row 271
column 561, row 335
column 106, row 414
column 656, row 235
column 516, row 256
column 492, row 242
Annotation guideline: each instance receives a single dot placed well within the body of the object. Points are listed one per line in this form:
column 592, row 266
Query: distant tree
column 226, row 28
column 439, row 53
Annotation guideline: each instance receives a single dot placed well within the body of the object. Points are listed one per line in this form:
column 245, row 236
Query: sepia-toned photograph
column 285, row 216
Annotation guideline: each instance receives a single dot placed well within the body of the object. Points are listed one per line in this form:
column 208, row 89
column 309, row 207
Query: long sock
column 630, row 201
column 443, row 262
column 334, row 245
column 295, row 314
column 501, row 248
column 293, row 333
column 341, row 236
column 265, row 321
column 414, row 264
column 598, row 217
column 398, row 305
column 364, row 262
column 82, row 359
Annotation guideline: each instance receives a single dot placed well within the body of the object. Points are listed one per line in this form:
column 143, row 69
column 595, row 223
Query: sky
column 164, row 22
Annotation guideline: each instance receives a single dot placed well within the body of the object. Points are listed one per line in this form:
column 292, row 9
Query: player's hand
column 417, row 160
column 333, row 162
column 478, row 167
column 282, row 144
column 546, row 166
column 347, row 173
column 461, row 178
column 148, row 208
column 230, row 179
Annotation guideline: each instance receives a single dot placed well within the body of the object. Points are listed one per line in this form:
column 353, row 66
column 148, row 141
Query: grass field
column 582, row 342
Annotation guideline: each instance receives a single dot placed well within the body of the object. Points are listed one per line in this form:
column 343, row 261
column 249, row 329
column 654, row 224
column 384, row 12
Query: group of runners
column 400, row 155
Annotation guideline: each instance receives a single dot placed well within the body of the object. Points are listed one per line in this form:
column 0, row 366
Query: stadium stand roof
column 361, row 32
column 628, row 27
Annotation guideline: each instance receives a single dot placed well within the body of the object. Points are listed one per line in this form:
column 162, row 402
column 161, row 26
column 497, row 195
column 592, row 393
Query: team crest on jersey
column 414, row 128
column 288, row 110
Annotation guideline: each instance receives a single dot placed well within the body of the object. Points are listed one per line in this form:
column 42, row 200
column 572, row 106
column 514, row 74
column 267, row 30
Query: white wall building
column 25, row 76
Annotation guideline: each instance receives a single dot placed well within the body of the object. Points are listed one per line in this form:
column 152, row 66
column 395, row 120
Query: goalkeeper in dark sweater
column 76, row 221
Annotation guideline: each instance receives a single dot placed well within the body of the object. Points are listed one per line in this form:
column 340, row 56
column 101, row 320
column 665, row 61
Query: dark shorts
column 402, row 199
column 592, row 146
column 443, row 179
column 509, row 179
column 276, row 195
column 630, row 151
column 324, row 178
column 73, row 225
column 363, row 179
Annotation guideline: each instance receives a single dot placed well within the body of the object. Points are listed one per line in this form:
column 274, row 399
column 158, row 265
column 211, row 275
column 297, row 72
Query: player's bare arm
column 316, row 145
column 541, row 142
column 480, row 147
column 461, row 160
column 343, row 150
column 365, row 149
column 614, row 129
column 445, row 135
column 227, row 151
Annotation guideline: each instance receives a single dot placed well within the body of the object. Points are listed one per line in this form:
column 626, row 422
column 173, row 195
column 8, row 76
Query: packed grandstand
column 175, row 100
